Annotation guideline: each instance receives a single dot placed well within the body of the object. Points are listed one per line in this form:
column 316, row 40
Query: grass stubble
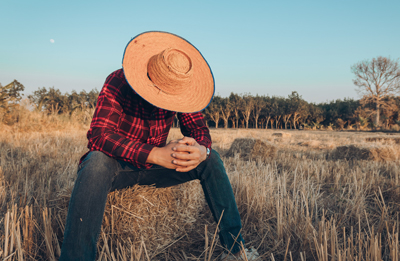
column 302, row 202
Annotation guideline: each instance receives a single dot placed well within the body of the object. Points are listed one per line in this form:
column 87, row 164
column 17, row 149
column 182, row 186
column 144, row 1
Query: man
column 162, row 74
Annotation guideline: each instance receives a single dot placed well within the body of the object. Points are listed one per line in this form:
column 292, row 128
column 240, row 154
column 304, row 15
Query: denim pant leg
column 219, row 195
column 86, row 206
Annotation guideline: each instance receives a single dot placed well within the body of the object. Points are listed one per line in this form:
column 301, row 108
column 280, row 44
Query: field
column 316, row 198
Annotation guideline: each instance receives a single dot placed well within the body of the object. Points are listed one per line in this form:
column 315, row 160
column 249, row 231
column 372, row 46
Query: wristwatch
column 208, row 152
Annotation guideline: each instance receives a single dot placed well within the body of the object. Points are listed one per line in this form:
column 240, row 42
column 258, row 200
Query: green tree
column 236, row 102
column 266, row 112
column 279, row 111
column 247, row 108
column 213, row 111
column 226, row 109
column 315, row 116
column 39, row 98
column 57, row 102
column 298, row 108
column 10, row 95
column 258, row 105
column 343, row 109
column 52, row 100
column 287, row 111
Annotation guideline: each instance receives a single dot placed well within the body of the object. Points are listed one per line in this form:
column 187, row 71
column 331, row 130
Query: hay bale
column 282, row 135
column 252, row 149
column 154, row 216
column 352, row 152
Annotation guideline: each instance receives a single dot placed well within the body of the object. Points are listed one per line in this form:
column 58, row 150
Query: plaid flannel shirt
column 126, row 127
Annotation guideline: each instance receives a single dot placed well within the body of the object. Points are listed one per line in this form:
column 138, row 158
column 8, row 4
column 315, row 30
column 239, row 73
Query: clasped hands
column 182, row 155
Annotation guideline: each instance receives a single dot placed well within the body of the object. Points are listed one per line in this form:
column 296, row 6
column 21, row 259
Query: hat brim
column 198, row 93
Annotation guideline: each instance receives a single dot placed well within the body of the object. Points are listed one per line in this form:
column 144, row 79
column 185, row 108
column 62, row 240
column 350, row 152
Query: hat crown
column 178, row 61
column 170, row 70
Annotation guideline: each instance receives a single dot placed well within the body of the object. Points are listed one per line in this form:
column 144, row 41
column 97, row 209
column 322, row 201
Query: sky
column 257, row 47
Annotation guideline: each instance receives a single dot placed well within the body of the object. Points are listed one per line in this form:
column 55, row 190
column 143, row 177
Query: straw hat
column 168, row 71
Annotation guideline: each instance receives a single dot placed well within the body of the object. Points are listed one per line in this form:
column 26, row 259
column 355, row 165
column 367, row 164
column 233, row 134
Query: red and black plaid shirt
column 126, row 127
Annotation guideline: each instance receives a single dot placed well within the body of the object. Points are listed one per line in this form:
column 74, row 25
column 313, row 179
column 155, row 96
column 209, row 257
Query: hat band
column 170, row 71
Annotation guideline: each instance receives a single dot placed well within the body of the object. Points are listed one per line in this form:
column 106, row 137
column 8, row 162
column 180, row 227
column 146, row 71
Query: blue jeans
column 99, row 174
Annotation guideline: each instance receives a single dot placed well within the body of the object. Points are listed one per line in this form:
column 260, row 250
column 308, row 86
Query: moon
column 52, row 41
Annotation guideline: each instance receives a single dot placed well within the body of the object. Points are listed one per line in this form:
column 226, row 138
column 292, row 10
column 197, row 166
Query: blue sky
column 258, row 47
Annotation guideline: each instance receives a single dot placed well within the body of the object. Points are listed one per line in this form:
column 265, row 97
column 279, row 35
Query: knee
column 97, row 168
column 97, row 160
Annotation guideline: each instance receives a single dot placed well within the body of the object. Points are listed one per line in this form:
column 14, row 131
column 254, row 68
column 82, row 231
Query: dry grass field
column 321, row 195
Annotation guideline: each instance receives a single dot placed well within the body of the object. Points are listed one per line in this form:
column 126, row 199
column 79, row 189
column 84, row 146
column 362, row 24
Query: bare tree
column 377, row 79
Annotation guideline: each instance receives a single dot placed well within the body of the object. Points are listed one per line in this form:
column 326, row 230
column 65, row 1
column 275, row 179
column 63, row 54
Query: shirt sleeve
column 103, row 135
column 193, row 125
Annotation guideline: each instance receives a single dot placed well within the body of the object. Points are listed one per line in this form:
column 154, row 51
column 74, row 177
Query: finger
column 186, row 143
column 186, row 156
column 181, row 148
column 173, row 141
column 185, row 163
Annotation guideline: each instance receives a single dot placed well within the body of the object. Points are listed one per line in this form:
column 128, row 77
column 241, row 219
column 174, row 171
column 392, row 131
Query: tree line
column 53, row 101
column 274, row 112
column 293, row 112
column 238, row 110
column 45, row 100
column 377, row 80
